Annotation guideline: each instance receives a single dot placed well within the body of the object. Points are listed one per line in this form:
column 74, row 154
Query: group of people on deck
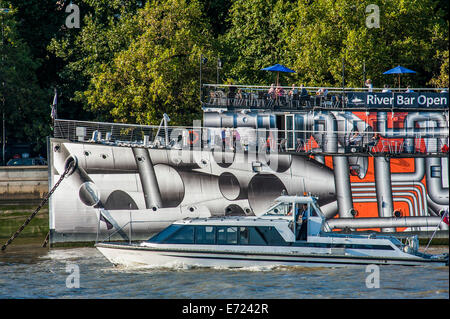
column 277, row 91
column 230, row 138
column 386, row 88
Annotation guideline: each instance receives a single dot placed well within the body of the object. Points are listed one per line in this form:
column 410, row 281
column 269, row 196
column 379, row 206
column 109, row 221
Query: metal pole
column 200, row 88
column 130, row 228
column 219, row 65
column 364, row 73
column 343, row 82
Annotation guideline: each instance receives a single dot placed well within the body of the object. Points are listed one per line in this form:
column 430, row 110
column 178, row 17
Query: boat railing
column 246, row 139
column 119, row 230
column 298, row 98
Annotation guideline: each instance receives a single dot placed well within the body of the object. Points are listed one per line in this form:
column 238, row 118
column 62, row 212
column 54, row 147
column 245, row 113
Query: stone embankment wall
column 23, row 182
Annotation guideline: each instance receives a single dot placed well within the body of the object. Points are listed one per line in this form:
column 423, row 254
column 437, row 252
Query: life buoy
column 193, row 137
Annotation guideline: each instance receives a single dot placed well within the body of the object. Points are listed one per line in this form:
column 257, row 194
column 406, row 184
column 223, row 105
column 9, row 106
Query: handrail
column 198, row 138
column 337, row 89
column 130, row 222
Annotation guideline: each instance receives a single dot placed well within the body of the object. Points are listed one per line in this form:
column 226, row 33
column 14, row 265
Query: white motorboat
column 276, row 238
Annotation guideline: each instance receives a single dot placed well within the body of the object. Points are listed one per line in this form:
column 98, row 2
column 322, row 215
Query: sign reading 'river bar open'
column 410, row 100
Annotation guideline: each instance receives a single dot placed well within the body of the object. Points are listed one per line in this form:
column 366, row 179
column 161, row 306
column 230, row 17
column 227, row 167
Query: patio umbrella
column 399, row 70
column 278, row 68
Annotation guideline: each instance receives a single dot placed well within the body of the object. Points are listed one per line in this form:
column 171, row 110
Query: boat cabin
column 291, row 219
column 304, row 213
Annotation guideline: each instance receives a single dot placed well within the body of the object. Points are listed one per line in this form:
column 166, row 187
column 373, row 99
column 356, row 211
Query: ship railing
column 111, row 133
column 122, row 231
column 247, row 139
column 260, row 97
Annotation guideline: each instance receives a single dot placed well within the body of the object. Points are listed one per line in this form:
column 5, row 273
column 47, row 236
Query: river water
column 33, row 272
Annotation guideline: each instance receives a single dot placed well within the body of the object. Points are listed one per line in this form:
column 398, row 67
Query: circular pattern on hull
column 234, row 210
column 171, row 185
column 263, row 189
column 223, row 159
column 119, row 199
column 89, row 194
column 279, row 163
column 229, row 186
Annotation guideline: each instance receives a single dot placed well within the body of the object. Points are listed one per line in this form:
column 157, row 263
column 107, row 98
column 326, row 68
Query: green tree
column 27, row 113
column 325, row 32
column 315, row 37
column 158, row 73
column 255, row 39
column 107, row 28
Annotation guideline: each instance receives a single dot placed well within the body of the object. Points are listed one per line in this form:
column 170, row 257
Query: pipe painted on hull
column 406, row 179
column 148, row 178
column 423, row 208
column 413, row 208
column 382, row 172
column 329, row 210
column 330, row 141
column 435, row 208
column 416, row 176
column 343, row 188
column 87, row 190
column 437, row 193
column 384, row 222
column 341, row 171
column 442, row 226
column 414, row 117
column 232, row 119
column 374, row 200
column 409, row 132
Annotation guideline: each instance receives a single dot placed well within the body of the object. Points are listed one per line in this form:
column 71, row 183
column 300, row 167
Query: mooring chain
column 44, row 201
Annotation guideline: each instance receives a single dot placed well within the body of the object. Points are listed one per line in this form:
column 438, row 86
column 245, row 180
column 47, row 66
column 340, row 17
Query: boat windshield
column 163, row 235
column 280, row 209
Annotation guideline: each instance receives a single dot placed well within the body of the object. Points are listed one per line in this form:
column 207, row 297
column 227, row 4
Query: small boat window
column 281, row 209
column 163, row 235
column 205, row 235
column 221, row 236
column 232, row 235
column 183, row 236
column 272, row 236
column 243, row 235
column 227, row 235
column 256, row 237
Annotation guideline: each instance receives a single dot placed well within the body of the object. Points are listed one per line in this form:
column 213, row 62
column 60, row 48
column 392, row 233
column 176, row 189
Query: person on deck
column 271, row 91
column 302, row 223
column 369, row 84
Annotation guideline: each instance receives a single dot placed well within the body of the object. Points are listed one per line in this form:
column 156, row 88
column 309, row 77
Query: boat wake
column 178, row 266
column 70, row 254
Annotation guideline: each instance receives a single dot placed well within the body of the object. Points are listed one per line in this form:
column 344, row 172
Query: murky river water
column 34, row 272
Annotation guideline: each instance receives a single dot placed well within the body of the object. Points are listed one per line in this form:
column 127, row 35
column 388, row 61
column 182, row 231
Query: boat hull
column 135, row 256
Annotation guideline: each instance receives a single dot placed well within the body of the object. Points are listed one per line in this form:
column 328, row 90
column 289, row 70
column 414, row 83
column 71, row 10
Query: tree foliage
column 21, row 98
column 132, row 61
column 158, row 72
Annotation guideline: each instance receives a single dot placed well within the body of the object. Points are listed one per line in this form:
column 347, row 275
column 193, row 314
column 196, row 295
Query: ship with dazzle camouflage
column 375, row 161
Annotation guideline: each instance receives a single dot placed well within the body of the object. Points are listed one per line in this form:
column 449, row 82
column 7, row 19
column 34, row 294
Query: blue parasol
column 278, row 68
column 399, row 70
